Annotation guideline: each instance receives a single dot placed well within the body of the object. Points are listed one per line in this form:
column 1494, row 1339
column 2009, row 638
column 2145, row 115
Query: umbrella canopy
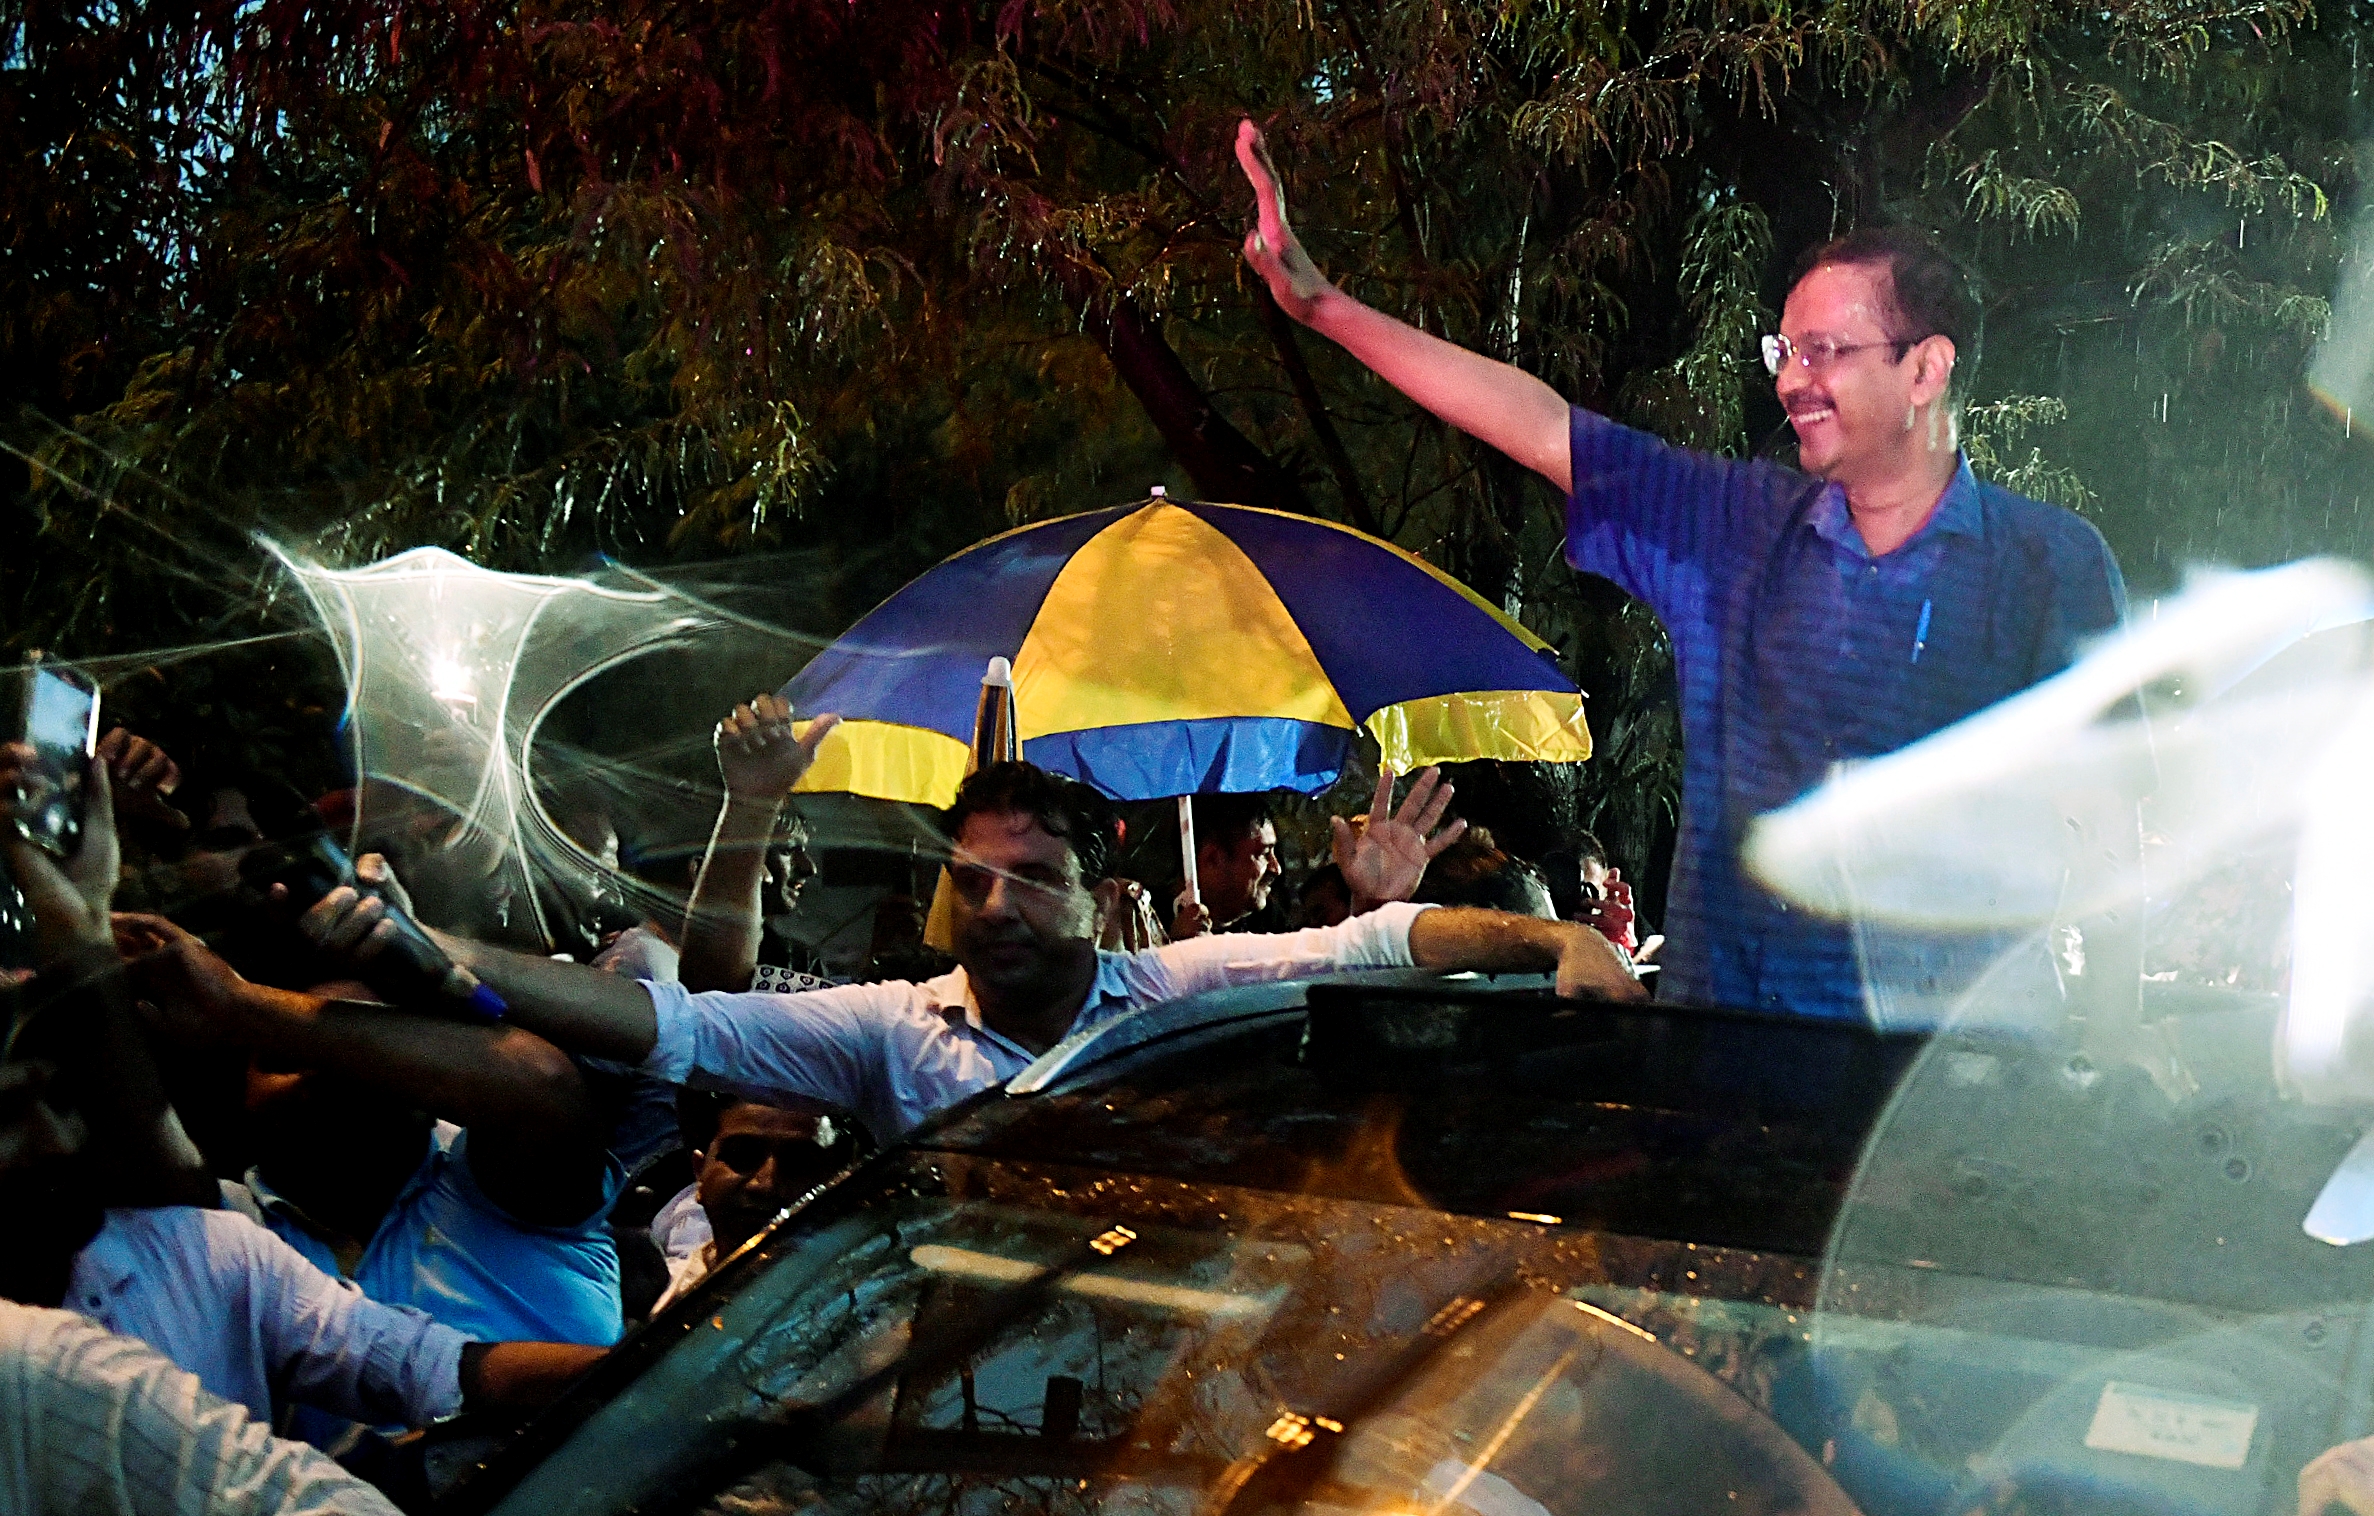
column 1175, row 648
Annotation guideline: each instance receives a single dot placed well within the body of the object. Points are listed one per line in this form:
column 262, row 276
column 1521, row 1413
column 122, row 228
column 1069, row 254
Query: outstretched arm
column 513, row 1377
column 1457, row 939
column 582, row 1009
column 466, row 1072
column 1491, row 401
column 760, row 760
column 537, row 1144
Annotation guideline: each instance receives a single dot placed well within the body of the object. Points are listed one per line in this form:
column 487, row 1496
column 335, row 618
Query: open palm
column 1386, row 858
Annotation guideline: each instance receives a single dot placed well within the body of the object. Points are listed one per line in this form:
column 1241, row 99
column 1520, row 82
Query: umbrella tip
column 999, row 673
column 1160, row 492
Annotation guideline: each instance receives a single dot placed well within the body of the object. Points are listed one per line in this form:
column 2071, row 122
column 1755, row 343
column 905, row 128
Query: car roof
column 1480, row 1097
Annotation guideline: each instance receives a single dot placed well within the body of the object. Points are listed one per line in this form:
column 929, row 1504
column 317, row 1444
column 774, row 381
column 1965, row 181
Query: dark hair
column 1065, row 807
column 1226, row 819
column 699, row 1113
column 1588, row 848
column 1474, row 871
column 1934, row 295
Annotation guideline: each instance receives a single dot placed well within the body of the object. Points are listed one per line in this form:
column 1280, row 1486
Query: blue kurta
column 1796, row 649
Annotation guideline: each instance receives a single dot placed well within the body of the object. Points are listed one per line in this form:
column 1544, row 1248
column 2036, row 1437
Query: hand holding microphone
column 359, row 912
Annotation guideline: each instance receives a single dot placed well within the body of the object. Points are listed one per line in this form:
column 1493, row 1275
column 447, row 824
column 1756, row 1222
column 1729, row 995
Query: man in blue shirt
column 491, row 1220
column 1836, row 613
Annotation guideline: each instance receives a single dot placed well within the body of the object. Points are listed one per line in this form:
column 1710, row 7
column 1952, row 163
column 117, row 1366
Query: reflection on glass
column 1243, row 1350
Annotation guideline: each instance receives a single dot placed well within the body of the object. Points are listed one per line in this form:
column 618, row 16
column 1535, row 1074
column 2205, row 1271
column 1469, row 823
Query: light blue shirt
column 240, row 1309
column 896, row 1053
column 447, row 1249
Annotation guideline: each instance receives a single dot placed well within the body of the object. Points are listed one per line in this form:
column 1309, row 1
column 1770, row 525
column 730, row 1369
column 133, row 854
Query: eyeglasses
column 1820, row 354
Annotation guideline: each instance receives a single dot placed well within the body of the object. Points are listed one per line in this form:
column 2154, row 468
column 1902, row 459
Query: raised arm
column 1494, row 402
column 84, row 1012
column 759, row 760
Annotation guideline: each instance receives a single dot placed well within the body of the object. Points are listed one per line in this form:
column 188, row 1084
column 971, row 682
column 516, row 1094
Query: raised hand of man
column 758, row 756
column 68, row 898
column 145, row 776
column 1271, row 247
column 1385, row 859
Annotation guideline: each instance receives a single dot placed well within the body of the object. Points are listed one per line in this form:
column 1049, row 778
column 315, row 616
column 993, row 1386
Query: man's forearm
column 144, row 1155
column 512, row 1377
column 474, row 1075
column 722, row 920
column 1496, row 403
column 575, row 1007
column 1462, row 939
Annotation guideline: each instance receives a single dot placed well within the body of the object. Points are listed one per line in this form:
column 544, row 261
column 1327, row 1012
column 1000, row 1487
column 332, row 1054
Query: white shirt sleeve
column 824, row 1044
column 331, row 1346
column 97, row 1424
column 875, row 1049
column 1379, row 939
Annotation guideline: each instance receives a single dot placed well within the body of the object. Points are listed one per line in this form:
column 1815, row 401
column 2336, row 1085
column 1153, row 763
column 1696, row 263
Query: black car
column 1468, row 1250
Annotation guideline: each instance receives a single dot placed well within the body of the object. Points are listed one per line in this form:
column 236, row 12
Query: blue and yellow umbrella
column 1176, row 648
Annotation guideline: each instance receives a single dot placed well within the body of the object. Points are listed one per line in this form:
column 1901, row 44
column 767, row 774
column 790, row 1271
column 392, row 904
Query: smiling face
column 761, row 1160
column 1235, row 877
column 1851, row 414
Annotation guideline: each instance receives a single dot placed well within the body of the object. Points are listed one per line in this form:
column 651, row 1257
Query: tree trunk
column 1224, row 463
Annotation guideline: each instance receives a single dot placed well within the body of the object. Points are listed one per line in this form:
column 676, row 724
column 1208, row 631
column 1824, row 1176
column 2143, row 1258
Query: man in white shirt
column 751, row 1162
column 94, row 1424
column 1028, row 850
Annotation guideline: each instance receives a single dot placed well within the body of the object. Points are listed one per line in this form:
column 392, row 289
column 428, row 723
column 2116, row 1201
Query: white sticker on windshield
column 2136, row 1418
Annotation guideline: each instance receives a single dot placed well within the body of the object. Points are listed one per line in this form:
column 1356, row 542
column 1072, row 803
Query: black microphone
column 411, row 967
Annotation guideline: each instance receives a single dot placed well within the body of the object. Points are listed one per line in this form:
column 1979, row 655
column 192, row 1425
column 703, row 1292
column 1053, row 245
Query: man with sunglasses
column 1838, row 610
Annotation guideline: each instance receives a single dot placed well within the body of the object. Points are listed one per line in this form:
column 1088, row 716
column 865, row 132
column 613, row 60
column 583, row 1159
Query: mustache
column 1016, row 934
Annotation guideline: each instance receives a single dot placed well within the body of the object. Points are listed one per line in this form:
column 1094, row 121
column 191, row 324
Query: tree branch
column 1225, row 464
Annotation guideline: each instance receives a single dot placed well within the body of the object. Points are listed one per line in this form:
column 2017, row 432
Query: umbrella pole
column 1187, row 850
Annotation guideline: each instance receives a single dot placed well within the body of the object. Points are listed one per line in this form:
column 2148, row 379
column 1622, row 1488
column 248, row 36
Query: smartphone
column 60, row 720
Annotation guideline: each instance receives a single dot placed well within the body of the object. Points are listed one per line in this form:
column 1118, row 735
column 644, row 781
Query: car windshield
column 1230, row 1324
column 1287, row 1270
column 1279, row 1269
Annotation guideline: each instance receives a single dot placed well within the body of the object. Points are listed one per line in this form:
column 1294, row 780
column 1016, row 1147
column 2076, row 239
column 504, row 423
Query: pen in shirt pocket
column 1920, row 635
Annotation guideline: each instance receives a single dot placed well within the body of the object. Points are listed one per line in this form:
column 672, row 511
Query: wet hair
column 1934, row 295
column 1228, row 819
column 1064, row 807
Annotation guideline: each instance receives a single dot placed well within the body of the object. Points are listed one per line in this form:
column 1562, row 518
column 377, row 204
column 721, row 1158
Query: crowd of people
column 299, row 1170
column 413, row 1196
